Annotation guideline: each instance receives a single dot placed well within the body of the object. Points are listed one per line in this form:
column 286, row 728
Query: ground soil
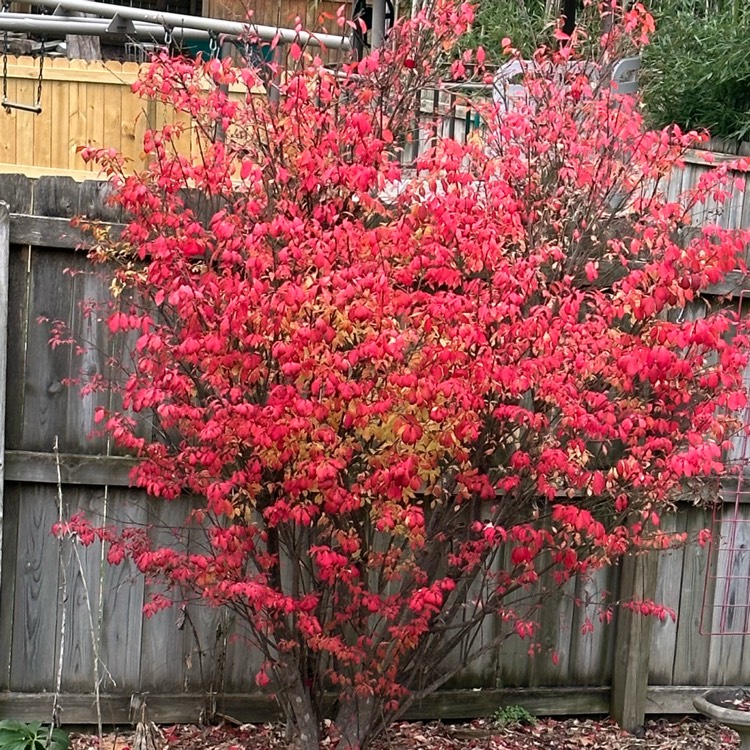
column 544, row 734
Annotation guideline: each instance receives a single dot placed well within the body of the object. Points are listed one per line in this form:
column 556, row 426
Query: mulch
column 544, row 734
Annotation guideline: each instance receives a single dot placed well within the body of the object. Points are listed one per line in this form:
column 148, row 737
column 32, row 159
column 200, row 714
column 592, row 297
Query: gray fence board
column 45, row 396
column 18, row 318
column 83, row 593
column 8, row 580
column 162, row 640
column 35, row 611
column 691, row 649
column 123, row 586
column 668, row 592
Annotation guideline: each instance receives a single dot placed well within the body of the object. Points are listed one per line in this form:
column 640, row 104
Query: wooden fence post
column 633, row 642
column 4, row 280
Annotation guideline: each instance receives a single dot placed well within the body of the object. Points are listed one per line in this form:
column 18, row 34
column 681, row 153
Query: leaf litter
column 483, row 734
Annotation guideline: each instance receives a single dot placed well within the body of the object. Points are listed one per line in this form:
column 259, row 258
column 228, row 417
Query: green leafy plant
column 33, row 735
column 510, row 716
column 696, row 72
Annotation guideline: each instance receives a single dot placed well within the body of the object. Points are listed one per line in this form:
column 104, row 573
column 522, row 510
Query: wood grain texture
column 45, row 232
column 255, row 708
column 203, row 633
column 35, row 609
column 93, row 198
column 31, row 466
column 668, row 593
column 8, row 579
column 550, row 665
column 56, row 196
column 88, row 326
column 690, row 648
column 15, row 190
column 632, row 642
column 83, row 568
column 45, row 395
column 4, row 286
column 123, row 587
column 163, row 635
column 591, row 649
column 18, row 293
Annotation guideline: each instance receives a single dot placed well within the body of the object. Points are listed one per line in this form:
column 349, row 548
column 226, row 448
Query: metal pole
column 175, row 21
column 46, row 25
column 377, row 33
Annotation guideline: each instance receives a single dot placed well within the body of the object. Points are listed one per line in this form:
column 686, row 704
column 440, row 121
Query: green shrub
column 19, row 735
column 695, row 73
column 510, row 716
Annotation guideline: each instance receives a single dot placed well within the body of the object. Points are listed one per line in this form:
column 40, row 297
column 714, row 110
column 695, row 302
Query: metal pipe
column 47, row 26
column 215, row 25
column 377, row 33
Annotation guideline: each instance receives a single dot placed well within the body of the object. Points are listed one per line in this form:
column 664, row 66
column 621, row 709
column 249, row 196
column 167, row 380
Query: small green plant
column 33, row 735
column 510, row 716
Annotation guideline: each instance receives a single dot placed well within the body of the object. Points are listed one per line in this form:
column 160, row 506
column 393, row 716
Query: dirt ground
column 545, row 734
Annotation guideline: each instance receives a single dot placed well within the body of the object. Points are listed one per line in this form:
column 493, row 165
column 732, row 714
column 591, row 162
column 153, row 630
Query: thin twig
column 87, row 597
column 64, row 589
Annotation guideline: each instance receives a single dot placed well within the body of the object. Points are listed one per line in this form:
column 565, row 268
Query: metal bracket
column 120, row 25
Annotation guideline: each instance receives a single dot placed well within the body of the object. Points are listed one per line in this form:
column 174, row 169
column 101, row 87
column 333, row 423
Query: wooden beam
column 29, row 466
column 633, row 642
column 471, row 704
column 183, row 707
column 448, row 704
column 44, row 231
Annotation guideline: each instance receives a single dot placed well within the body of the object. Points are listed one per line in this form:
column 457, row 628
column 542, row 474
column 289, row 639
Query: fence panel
column 204, row 650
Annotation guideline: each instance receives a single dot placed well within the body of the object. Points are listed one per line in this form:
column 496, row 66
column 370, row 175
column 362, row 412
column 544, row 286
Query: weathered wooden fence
column 197, row 659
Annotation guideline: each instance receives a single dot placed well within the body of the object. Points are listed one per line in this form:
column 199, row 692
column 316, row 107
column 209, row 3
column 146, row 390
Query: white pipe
column 60, row 27
column 215, row 25
column 377, row 33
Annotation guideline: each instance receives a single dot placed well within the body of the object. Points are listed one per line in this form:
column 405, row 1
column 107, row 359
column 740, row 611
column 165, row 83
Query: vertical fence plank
column 691, row 649
column 668, row 593
column 4, row 287
column 34, row 657
column 82, row 592
column 59, row 111
column 8, row 131
column 162, row 651
column 123, row 587
column 16, row 345
column 11, row 498
column 202, row 624
column 45, row 395
column 4, row 292
column 96, row 106
column 591, row 634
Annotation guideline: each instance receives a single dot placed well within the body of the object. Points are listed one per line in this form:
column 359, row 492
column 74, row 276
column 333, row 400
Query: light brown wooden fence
column 83, row 104
column 189, row 660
